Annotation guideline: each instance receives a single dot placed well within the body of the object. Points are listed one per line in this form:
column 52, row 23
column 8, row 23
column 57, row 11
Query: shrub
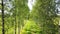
column 30, row 28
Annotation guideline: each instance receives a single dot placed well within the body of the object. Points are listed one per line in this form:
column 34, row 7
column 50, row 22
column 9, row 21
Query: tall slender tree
column 3, row 31
column 21, row 9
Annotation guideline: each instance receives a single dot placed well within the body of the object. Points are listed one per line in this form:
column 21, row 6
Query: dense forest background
column 30, row 16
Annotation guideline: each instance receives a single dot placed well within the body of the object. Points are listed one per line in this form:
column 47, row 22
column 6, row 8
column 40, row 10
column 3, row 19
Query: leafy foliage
column 43, row 13
column 41, row 20
column 31, row 28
